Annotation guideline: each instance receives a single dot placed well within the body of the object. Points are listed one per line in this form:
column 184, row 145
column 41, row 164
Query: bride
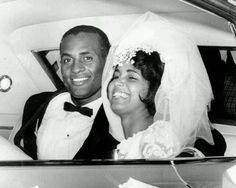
column 157, row 93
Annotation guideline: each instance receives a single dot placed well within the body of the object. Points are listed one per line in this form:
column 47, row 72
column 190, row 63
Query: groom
column 71, row 123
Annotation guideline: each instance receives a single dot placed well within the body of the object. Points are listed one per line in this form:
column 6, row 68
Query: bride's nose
column 119, row 82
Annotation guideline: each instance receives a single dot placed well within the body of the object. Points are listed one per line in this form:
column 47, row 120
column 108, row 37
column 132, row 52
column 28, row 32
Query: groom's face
column 82, row 65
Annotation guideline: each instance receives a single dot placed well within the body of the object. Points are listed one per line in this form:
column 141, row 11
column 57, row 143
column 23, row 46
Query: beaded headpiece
column 127, row 54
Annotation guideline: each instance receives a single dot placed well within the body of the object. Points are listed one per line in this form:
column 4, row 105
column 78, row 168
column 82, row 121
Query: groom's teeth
column 79, row 79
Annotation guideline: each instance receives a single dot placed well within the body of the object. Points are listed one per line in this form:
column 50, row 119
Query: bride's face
column 125, row 89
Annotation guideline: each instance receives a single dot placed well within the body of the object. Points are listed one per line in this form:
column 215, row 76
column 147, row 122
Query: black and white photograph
column 118, row 94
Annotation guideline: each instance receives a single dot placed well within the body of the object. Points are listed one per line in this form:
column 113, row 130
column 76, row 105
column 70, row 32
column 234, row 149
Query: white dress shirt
column 62, row 133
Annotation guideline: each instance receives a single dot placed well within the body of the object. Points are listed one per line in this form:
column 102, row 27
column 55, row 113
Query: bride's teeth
column 120, row 94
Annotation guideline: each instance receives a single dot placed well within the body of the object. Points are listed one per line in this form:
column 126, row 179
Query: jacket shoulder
column 33, row 103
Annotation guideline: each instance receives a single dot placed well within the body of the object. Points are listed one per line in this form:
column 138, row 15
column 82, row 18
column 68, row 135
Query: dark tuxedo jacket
column 98, row 145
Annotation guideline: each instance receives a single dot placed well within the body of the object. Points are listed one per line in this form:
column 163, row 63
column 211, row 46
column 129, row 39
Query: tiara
column 125, row 55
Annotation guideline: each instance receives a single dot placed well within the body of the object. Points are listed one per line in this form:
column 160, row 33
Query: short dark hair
column 104, row 41
column 151, row 68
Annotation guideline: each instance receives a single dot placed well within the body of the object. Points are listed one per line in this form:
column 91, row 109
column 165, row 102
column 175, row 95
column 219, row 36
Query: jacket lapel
column 92, row 145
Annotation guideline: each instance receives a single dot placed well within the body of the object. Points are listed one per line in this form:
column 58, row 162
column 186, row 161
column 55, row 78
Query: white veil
column 185, row 92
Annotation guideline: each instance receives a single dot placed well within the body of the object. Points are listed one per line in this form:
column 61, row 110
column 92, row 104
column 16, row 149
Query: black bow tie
column 83, row 110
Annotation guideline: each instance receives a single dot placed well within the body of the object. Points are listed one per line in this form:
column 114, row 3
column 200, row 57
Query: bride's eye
column 132, row 78
column 115, row 75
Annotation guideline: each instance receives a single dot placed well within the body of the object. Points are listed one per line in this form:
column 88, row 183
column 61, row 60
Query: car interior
column 30, row 33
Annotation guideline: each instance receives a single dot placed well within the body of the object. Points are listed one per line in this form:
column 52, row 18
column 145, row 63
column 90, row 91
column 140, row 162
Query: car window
column 221, row 68
column 50, row 62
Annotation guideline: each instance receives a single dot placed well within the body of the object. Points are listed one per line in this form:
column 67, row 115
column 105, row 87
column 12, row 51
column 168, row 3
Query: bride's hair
column 151, row 68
